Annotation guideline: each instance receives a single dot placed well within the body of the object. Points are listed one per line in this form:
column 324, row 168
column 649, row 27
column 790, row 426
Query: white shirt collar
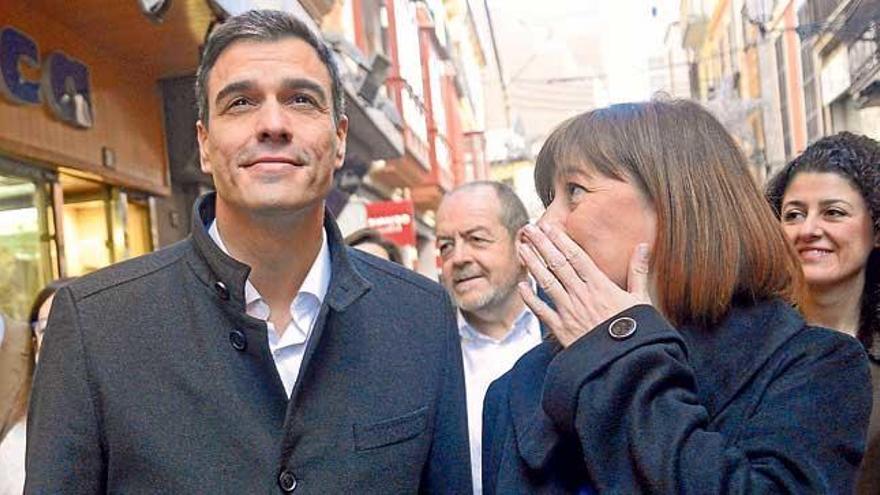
column 317, row 279
column 526, row 322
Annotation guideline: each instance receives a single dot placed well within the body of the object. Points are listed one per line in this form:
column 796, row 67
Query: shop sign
column 63, row 85
column 395, row 220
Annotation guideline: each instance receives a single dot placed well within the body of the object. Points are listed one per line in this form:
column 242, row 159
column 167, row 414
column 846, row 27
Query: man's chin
column 473, row 302
column 281, row 206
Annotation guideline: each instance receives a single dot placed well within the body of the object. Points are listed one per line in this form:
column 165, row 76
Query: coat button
column 286, row 481
column 622, row 328
column 222, row 291
column 238, row 340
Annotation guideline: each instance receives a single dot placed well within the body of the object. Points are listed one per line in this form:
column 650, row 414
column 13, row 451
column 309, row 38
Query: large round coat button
column 238, row 340
column 622, row 328
column 222, row 290
column 286, row 481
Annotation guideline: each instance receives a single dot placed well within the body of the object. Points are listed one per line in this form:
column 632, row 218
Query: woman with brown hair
column 677, row 364
column 828, row 200
column 12, row 445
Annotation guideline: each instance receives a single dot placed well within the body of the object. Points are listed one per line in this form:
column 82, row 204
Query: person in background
column 371, row 241
column 12, row 446
column 476, row 228
column 828, row 200
column 678, row 364
column 15, row 368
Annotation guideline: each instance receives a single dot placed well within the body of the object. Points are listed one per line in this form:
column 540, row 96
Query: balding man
column 477, row 226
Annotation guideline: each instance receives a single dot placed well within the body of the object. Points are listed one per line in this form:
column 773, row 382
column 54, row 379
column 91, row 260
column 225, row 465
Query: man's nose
column 460, row 253
column 273, row 124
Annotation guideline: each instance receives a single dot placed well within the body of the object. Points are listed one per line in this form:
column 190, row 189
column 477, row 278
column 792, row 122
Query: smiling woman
column 828, row 200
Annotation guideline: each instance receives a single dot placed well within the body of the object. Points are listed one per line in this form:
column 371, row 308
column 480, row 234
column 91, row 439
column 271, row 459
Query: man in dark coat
column 260, row 354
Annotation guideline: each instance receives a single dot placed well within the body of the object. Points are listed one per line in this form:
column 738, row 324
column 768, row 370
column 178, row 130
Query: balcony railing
column 864, row 62
column 820, row 10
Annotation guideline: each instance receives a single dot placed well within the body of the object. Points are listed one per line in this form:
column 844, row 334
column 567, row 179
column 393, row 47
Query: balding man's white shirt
column 485, row 360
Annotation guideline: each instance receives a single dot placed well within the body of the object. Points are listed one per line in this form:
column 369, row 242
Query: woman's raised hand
column 582, row 294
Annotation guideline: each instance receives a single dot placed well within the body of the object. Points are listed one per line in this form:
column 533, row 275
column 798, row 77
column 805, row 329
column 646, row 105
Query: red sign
column 395, row 220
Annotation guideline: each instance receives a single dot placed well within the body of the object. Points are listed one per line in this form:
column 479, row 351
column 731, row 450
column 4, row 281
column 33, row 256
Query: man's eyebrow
column 293, row 83
column 233, row 87
column 306, row 84
column 478, row 230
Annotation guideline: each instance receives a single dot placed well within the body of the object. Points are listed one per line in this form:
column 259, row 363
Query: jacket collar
column 214, row 267
column 724, row 359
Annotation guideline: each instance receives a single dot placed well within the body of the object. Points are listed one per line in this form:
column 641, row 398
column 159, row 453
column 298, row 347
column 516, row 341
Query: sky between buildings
column 562, row 57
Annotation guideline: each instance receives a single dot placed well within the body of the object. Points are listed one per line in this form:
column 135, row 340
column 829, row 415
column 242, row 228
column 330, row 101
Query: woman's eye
column 792, row 215
column 835, row 213
column 574, row 191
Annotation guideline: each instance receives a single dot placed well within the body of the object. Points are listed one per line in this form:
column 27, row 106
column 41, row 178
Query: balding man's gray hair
column 263, row 25
column 512, row 213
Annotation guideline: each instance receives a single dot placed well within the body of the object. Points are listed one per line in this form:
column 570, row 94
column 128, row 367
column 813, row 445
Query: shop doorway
column 60, row 224
column 102, row 224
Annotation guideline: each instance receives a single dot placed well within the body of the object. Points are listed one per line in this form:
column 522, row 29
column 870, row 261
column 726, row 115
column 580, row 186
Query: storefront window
column 138, row 235
column 87, row 219
column 25, row 263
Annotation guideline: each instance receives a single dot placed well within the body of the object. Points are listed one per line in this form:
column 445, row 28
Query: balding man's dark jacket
column 154, row 379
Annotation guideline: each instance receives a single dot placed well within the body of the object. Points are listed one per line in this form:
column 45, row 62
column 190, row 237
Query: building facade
column 783, row 73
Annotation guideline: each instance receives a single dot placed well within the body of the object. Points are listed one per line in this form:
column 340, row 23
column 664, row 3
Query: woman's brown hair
column 718, row 241
column 21, row 401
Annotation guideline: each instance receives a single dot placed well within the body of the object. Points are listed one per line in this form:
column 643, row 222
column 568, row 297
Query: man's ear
column 204, row 156
column 341, row 136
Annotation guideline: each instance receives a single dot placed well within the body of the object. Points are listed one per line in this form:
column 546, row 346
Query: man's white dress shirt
column 485, row 360
column 288, row 349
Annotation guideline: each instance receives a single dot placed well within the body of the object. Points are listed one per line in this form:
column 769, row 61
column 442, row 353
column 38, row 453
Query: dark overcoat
column 154, row 379
column 761, row 403
column 868, row 480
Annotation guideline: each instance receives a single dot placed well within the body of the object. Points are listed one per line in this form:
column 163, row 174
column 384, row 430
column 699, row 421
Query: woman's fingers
column 556, row 260
column 543, row 276
column 580, row 261
column 541, row 309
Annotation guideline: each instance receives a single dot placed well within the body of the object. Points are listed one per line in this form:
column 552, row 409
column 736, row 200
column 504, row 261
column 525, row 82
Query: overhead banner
column 395, row 220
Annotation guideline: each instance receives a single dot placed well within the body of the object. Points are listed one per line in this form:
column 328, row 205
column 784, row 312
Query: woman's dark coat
column 760, row 404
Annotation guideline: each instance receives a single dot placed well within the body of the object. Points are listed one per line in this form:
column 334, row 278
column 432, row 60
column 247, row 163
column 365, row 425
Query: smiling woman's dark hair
column 856, row 159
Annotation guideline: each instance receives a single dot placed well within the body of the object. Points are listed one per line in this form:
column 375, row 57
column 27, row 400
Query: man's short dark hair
column 511, row 211
column 263, row 25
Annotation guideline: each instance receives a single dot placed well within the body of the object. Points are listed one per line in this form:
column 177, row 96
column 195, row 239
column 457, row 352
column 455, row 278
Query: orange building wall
column 795, row 82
